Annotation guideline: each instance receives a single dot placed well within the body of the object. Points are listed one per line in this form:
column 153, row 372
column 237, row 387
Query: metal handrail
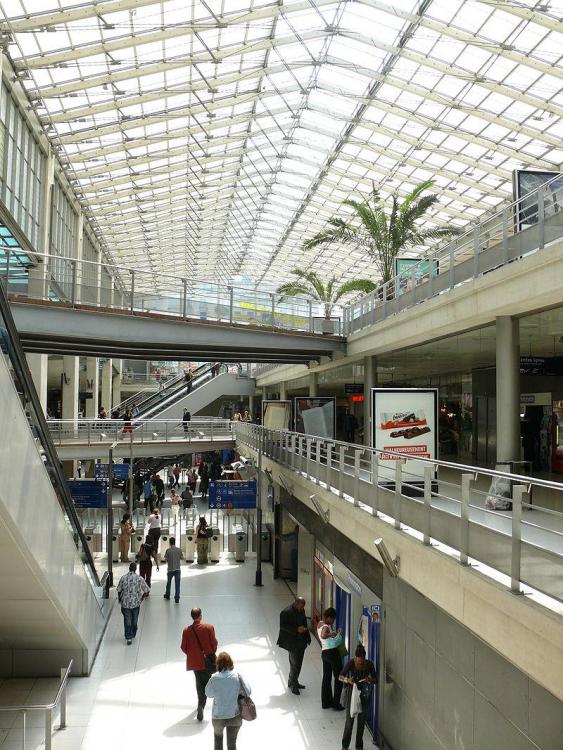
column 357, row 474
column 48, row 708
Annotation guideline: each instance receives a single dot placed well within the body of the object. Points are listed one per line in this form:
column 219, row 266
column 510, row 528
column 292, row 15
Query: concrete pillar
column 251, row 405
column 116, row 382
column 283, row 391
column 313, row 384
column 70, row 379
column 264, row 392
column 38, row 366
column 106, row 385
column 93, row 386
column 508, row 388
column 370, row 381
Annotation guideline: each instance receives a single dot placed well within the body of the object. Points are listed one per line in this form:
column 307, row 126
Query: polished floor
column 141, row 696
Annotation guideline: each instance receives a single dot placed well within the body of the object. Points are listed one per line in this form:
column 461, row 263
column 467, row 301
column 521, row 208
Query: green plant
column 380, row 234
column 309, row 284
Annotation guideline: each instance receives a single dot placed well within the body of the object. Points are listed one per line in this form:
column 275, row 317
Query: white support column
column 106, row 385
column 93, row 385
column 283, row 391
column 38, row 366
column 313, row 384
column 508, row 388
column 370, row 381
column 116, row 382
column 70, row 380
column 251, row 405
column 78, row 254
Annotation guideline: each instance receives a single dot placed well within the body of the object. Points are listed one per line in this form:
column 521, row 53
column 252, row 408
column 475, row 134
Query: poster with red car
column 404, row 424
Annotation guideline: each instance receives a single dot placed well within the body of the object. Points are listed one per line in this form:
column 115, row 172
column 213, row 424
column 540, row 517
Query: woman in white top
column 154, row 529
column 224, row 687
column 332, row 661
column 175, row 505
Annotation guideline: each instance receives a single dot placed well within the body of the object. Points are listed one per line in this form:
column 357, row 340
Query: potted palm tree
column 380, row 234
column 309, row 284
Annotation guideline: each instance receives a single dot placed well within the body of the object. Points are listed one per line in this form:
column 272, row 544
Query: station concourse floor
column 142, row 696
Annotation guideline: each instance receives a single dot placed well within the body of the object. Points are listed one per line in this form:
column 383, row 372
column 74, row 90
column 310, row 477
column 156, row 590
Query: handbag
column 355, row 701
column 246, row 705
column 209, row 659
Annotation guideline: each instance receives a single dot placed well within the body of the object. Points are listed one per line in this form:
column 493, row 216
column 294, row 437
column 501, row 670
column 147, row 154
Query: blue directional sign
column 120, row 472
column 232, row 494
column 89, row 493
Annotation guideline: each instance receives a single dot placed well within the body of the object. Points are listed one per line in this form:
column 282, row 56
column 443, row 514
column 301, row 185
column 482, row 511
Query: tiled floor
column 141, row 696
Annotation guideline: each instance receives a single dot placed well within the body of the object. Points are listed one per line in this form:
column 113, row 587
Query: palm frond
column 356, row 285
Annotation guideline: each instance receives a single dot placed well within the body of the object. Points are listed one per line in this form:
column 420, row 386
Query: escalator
column 54, row 606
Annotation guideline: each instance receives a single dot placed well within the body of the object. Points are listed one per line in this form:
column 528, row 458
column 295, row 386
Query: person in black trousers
column 332, row 661
column 359, row 671
column 294, row 637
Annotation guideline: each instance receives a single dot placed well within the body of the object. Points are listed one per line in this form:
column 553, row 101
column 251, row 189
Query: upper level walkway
column 92, row 438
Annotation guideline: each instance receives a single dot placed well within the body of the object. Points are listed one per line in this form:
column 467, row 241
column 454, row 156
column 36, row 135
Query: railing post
column 431, row 277
column 24, row 729
column 231, row 303
column 63, row 702
column 541, row 217
column 452, row 262
column 398, row 488
column 89, row 430
column 428, row 476
column 7, row 275
column 466, row 480
column 184, row 299
column 319, row 446
column 518, row 492
column 374, row 481
column 384, row 290
column 310, row 316
column 273, row 305
column 328, row 464
column 476, row 243
column 341, row 470
column 413, row 285
column 357, row 457
column 292, row 462
column 308, row 461
column 505, row 234
column 74, row 264
column 132, row 294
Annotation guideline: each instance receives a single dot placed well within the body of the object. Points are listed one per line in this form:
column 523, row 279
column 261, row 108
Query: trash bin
column 266, row 544
column 240, row 544
column 215, row 544
column 92, row 539
column 115, row 544
column 189, row 544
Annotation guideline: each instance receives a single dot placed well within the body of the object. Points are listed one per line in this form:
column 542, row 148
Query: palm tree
column 309, row 284
column 380, row 235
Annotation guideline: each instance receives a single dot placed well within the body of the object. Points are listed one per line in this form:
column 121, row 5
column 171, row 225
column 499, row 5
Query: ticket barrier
column 163, row 542
column 115, row 544
column 189, row 544
column 240, row 544
column 93, row 539
column 215, row 545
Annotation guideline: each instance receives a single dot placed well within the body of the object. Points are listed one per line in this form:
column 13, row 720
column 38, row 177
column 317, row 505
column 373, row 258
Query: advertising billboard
column 227, row 495
column 404, row 420
column 527, row 181
column 315, row 416
column 404, row 268
column 276, row 415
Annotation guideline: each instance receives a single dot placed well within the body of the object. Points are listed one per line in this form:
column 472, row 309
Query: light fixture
column 391, row 564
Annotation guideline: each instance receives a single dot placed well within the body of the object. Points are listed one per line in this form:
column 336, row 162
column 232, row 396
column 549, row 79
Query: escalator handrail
column 140, row 396
column 19, row 363
column 164, row 394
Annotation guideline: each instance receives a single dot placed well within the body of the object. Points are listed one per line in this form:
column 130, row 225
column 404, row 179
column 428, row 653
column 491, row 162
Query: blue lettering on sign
column 89, row 493
column 232, row 494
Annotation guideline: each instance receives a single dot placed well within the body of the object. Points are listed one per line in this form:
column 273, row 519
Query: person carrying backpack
column 147, row 553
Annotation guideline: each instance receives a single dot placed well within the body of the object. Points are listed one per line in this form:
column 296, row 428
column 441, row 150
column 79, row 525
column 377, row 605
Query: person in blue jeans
column 131, row 590
column 173, row 558
column 224, row 687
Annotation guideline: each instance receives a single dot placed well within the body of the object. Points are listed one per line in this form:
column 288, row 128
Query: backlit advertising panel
column 276, row 414
column 404, row 421
column 315, row 416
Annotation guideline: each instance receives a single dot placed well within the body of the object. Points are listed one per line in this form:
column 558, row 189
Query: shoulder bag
column 209, row 659
column 246, row 705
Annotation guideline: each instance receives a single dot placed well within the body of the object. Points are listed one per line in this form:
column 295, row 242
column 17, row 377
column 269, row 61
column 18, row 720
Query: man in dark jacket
column 294, row 637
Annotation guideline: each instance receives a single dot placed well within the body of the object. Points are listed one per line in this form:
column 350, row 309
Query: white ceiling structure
column 210, row 138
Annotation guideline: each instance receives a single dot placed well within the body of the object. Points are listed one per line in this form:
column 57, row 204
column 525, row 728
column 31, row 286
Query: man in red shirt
column 199, row 642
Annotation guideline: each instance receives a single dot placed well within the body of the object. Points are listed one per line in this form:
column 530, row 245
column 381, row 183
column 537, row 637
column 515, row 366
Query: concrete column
column 78, row 254
column 106, row 385
column 116, row 382
column 93, row 385
column 251, row 405
column 283, row 391
column 70, row 379
column 370, row 381
column 313, row 384
column 508, row 388
column 264, row 392
column 38, row 366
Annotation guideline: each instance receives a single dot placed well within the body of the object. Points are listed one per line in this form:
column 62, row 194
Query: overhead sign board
column 120, row 472
column 89, row 493
column 235, row 494
column 351, row 389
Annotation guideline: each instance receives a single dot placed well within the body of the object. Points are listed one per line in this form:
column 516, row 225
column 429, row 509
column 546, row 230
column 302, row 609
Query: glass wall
column 21, row 168
column 89, row 280
column 64, row 228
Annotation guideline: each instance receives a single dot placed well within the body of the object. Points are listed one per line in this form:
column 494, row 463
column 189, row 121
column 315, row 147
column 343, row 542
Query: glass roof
column 212, row 137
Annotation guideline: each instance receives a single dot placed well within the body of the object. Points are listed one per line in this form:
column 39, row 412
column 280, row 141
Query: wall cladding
column 451, row 691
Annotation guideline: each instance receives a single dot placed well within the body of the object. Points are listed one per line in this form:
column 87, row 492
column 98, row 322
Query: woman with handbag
column 202, row 540
column 231, row 702
column 331, row 645
column 360, row 674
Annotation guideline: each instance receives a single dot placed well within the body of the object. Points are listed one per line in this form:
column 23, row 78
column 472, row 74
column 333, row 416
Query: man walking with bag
column 294, row 637
column 199, row 644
